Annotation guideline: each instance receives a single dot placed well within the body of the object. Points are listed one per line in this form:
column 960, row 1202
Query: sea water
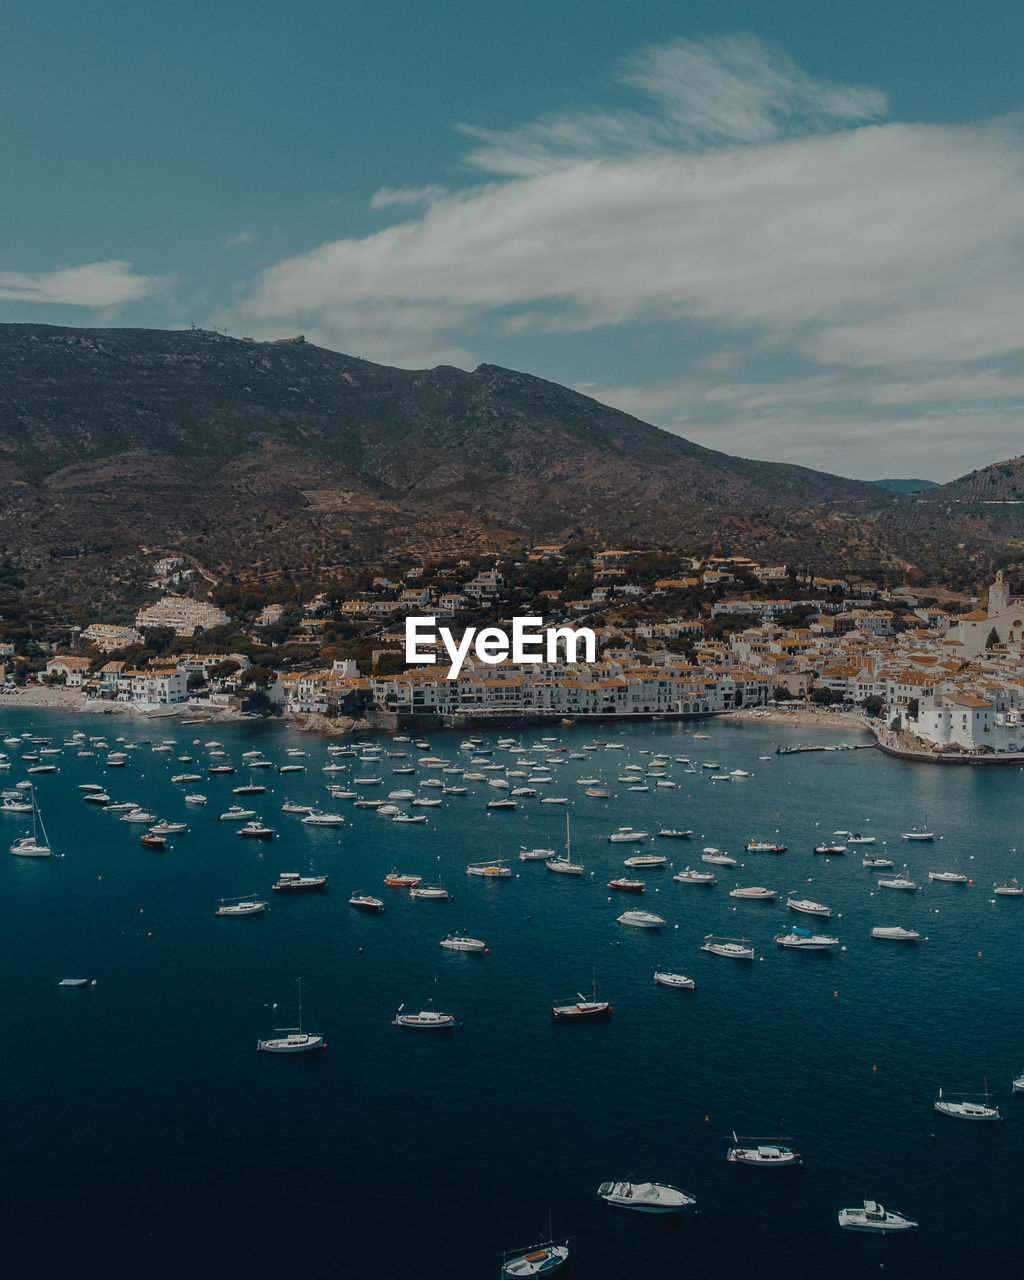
column 144, row 1135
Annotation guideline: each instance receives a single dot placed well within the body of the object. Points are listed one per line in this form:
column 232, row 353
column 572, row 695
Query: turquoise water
column 145, row 1136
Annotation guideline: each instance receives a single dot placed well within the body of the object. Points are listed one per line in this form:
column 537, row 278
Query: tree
column 993, row 639
column 262, row 677
column 912, row 708
column 781, row 694
column 824, row 697
column 873, row 705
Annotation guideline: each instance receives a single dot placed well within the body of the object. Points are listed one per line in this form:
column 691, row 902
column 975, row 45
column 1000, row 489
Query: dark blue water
column 143, row 1135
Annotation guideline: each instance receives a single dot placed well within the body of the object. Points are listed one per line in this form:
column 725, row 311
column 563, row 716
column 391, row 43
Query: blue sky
column 792, row 232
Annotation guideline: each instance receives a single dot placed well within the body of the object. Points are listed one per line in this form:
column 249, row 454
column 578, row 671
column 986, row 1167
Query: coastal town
column 676, row 636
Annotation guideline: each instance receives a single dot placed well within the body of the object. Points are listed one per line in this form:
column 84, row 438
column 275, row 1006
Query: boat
column 857, row 838
column 1018, row 1083
column 294, row 1040
column 97, row 797
column 917, row 833
column 754, row 892
column 429, row 891
column 765, row 846
column 495, row 868
column 564, row 864
column 539, row 1260
column 805, row 940
column 966, row 1110
column 950, row 877
column 641, row 919
column 873, row 1217
column 645, row 1197
column 32, row 846
column 186, row 777
column 10, row 805
column 829, row 849
column 897, row 882
column 646, row 860
column 535, row 855
column 366, row 902
column 396, row 879
column 582, row 1007
column 291, row 768
column 718, row 858
column 627, row 835
column 765, row 1155
column 1010, row 889
column 674, row 979
column 426, row 1020
column 808, row 907
column 294, row 882
column 75, row 982
column 250, row 789
column 221, row 768
column 732, row 948
column 877, row 862
column 691, row 876
column 290, row 806
column 152, row 841
column 895, row 932
column 256, row 830
column 460, row 942
column 625, row 885
column 236, row 814
column 135, row 814
column 491, row 804
column 317, row 818
column 195, row 798
column 250, row 906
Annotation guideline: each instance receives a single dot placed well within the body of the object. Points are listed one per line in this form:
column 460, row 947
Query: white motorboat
column 828, row 850
column 857, row 838
column 732, row 948
column 896, row 932
column 195, row 798
column 136, row 815
column 294, row 882
column 754, row 891
column 535, row 855
column 966, row 1110
column 873, row 1217
column 294, row 1039
column 165, row 828
column 627, row 835
column 1018, row 1083
column 879, row 863
column 236, row 814
column 437, row 891
column 460, row 942
column 765, row 846
column 320, row 819
column 623, row 884
column 691, row 876
column 290, row 806
column 366, row 902
column 641, row 919
column 255, row 829
column 674, row 980
column 717, row 858
column 765, row 1155
column 646, row 860
column 645, row 1197
column 807, row 941
column 917, row 833
column 808, row 907
column 186, row 777
column 950, row 877
column 1011, row 889
column 251, row 906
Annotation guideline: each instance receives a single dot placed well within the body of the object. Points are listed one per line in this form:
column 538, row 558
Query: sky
column 792, row 231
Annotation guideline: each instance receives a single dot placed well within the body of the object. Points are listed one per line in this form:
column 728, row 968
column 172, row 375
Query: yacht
column 873, row 1217
column 293, row 882
column 641, row 919
column 897, row 882
column 674, row 980
column 317, row 818
column 535, row 855
column 808, row 907
column 966, row 1110
column 732, row 948
column 646, row 860
column 764, row 846
column 645, row 1197
column 895, row 932
column 690, row 876
column 294, row 1039
column 952, row 877
column 878, row 863
column 1011, row 889
column 254, row 829
column 32, row 846
column 766, row 1155
column 626, row 835
column 718, row 858
column 366, row 902
column 564, row 864
column 250, row 906
column 755, row 891
column 136, row 815
column 625, row 885
column 460, row 942
column 807, row 941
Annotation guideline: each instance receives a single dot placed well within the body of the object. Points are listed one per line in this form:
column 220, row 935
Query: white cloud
column 748, row 206
column 242, row 238
column 97, row 284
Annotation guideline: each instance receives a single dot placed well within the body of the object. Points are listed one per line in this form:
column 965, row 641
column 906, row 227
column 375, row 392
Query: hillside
column 906, row 486
column 257, row 457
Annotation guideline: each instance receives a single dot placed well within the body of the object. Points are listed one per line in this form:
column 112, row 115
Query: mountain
column 1000, row 482
column 258, row 457
column 906, row 486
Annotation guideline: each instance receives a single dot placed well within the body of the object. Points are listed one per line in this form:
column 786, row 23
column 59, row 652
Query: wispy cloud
column 240, row 239
column 96, row 284
column 745, row 205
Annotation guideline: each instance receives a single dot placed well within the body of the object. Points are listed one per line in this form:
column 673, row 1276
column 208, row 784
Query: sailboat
column 426, row 1020
column 582, row 1007
column 294, row 1039
column 30, row 846
column 967, row 1110
column 565, row 864
column 539, row 1260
